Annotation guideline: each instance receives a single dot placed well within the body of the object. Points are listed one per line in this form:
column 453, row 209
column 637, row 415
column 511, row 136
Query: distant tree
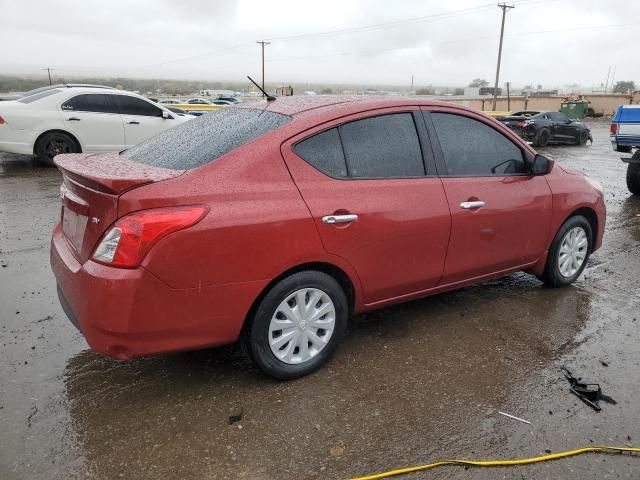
column 424, row 91
column 479, row 82
column 528, row 87
column 326, row 91
column 458, row 91
column 539, row 87
column 624, row 86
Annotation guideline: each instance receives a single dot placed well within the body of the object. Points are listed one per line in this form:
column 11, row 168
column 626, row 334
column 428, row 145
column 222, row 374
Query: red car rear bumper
column 126, row 313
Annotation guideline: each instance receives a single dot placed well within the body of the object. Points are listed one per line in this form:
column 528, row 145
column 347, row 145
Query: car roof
column 296, row 105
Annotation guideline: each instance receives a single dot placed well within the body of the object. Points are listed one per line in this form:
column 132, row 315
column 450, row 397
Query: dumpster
column 575, row 110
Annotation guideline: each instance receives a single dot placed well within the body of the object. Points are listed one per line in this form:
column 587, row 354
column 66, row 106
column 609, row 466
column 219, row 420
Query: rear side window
column 472, row 148
column 97, row 103
column 324, row 151
column 206, row 138
column 135, row 106
column 385, row 146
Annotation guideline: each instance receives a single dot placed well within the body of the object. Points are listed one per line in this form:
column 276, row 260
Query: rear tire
column 54, row 143
column 542, row 138
column 633, row 175
column 569, row 252
column 291, row 304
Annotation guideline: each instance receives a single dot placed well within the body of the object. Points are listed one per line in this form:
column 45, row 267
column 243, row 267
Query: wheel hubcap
column 302, row 326
column 573, row 251
column 56, row 147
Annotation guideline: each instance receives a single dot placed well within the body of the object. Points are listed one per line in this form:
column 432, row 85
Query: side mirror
column 166, row 115
column 541, row 165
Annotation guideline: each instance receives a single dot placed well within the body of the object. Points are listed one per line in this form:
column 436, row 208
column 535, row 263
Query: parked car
column 169, row 101
column 230, row 99
column 274, row 222
column 199, row 101
column 543, row 128
column 224, row 103
column 74, row 119
column 625, row 137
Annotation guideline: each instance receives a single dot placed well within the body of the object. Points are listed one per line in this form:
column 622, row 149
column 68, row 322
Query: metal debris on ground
column 589, row 393
column 515, row 418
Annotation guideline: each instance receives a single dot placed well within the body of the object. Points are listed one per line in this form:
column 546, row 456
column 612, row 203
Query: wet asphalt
column 411, row 384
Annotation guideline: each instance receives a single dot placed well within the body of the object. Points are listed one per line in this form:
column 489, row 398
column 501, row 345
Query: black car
column 548, row 127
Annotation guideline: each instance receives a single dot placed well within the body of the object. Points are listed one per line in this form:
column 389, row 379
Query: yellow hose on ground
column 500, row 463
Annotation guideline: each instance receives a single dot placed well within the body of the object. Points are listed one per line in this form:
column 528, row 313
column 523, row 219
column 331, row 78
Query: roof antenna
column 270, row 98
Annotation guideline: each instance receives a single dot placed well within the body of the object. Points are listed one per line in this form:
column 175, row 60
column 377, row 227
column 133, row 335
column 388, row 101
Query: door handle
column 471, row 205
column 73, row 119
column 333, row 219
column 133, row 123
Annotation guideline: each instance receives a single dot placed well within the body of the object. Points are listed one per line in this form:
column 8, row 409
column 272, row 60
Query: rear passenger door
column 371, row 186
column 500, row 213
column 92, row 118
column 142, row 119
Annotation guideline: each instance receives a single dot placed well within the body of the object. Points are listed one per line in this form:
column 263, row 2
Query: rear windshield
column 38, row 96
column 204, row 139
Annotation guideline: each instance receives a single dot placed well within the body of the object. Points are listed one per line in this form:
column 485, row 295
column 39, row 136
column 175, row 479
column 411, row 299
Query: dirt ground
column 410, row 384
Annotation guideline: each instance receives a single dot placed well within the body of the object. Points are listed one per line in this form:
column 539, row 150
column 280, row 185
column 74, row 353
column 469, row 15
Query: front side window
column 385, row 146
column 136, row 106
column 97, row 103
column 472, row 148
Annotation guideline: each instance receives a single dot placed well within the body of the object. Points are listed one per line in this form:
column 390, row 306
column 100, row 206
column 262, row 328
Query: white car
column 71, row 119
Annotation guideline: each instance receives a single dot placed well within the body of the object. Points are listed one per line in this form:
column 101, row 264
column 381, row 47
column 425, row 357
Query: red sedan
column 273, row 222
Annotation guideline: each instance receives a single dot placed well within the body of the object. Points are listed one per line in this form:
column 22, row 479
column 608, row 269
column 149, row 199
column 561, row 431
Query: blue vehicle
column 625, row 137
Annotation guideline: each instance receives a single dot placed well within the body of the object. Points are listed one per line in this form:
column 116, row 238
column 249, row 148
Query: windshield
column 206, row 138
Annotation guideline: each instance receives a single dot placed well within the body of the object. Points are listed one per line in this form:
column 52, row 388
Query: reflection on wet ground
column 411, row 383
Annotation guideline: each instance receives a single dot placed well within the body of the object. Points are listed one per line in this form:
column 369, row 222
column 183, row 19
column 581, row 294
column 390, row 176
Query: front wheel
column 584, row 137
column 633, row 175
column 52, row 144
column 569, row 252
column 298, row 325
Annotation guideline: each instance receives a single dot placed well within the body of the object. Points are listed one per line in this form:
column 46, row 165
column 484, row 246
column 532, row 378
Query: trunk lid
column 92, row 185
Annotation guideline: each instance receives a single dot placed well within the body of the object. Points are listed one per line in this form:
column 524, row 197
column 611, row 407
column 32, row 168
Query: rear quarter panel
column 257, row 227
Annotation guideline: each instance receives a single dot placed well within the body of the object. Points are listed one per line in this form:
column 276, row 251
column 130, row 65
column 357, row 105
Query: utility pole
column 49, row 72
column 504, row 8
column 606, row 84
column 508, row 96
column 263, row 43
column 412, row 82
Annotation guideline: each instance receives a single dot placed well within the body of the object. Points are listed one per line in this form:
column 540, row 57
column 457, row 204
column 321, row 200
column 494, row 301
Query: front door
column 500, row 214
column 373, row 202
column 94, row 121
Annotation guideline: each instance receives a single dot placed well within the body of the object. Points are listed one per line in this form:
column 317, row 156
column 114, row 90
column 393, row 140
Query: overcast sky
column 549, row 42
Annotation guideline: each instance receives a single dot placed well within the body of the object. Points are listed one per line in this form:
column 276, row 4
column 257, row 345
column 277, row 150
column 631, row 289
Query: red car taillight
column 2, row 122
column 131, row 237
column 613, row 129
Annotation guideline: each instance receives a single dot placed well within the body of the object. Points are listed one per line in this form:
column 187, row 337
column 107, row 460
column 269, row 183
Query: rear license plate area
column 73, row 226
